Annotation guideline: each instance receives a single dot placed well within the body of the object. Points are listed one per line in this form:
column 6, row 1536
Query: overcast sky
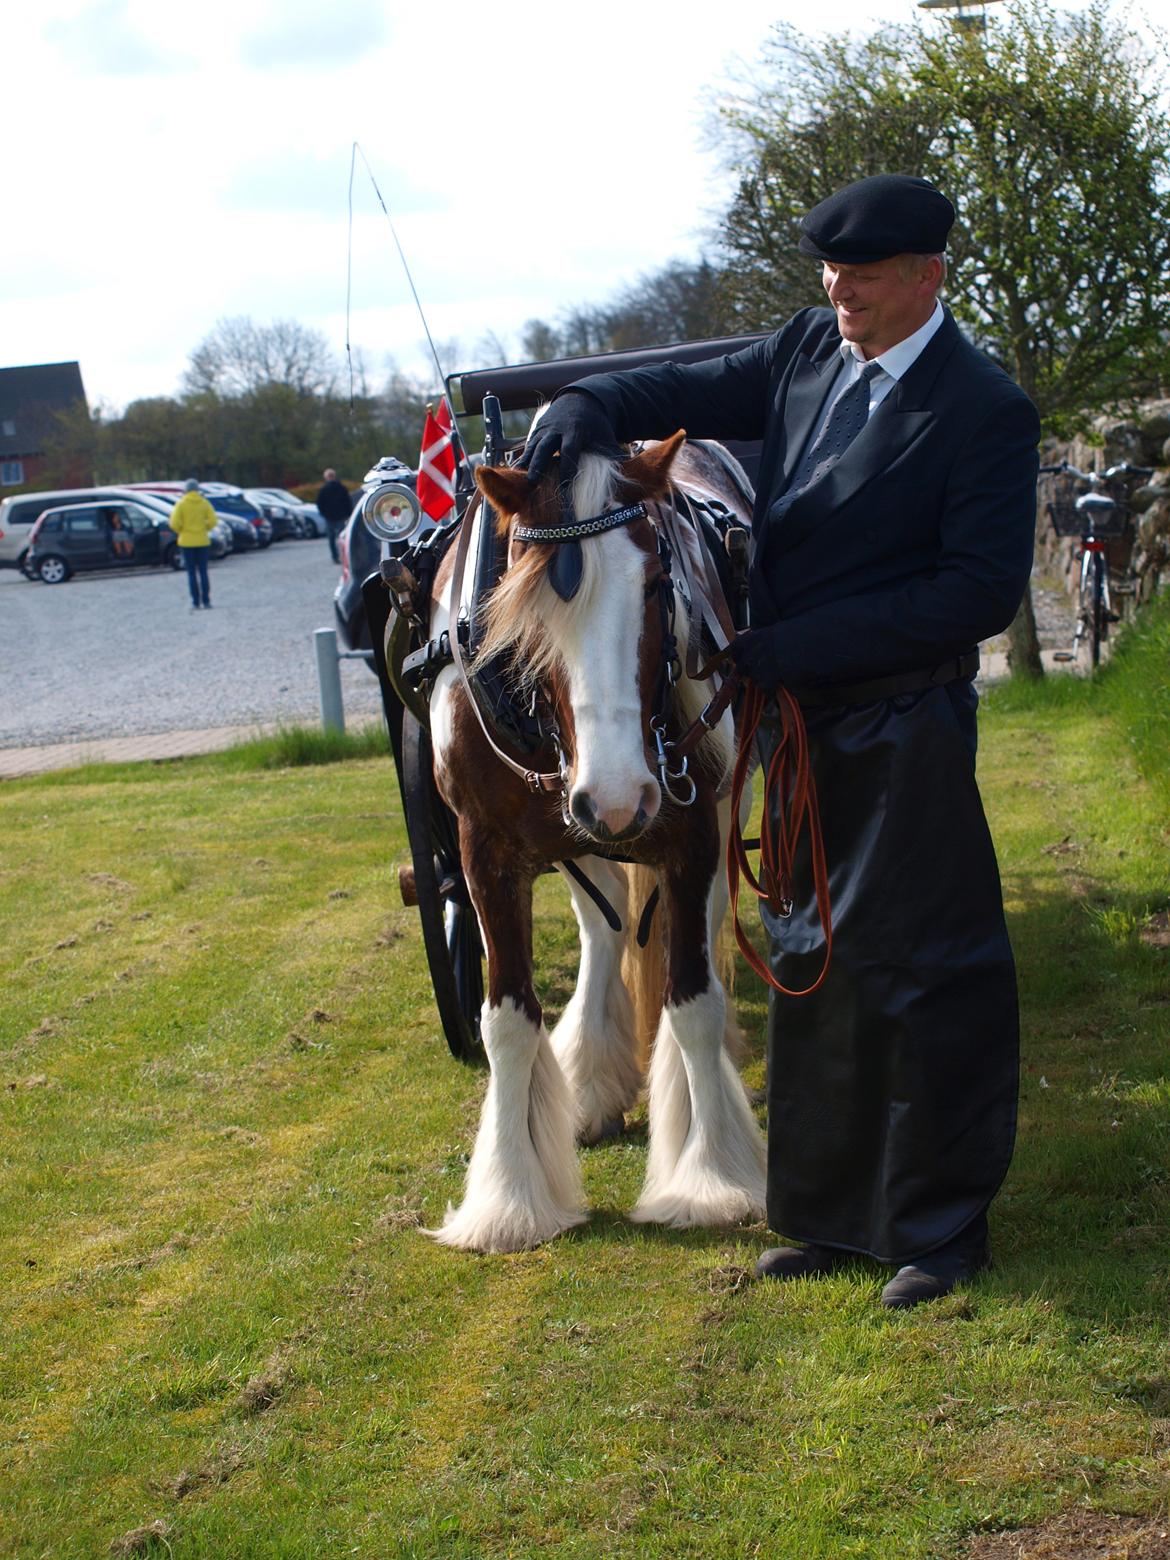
column 169, row 166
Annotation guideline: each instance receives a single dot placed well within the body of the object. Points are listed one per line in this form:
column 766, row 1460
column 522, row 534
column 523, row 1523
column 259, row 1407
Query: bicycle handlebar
column 1124, row 468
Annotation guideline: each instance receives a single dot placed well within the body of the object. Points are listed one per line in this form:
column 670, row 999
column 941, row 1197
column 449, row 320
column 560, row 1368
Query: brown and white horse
column 600, row 657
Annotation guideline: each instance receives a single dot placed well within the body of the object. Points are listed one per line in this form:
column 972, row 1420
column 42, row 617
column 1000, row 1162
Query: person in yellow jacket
column 192, row 520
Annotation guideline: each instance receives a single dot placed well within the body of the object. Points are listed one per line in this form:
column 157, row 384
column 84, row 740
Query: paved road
column 122, row 655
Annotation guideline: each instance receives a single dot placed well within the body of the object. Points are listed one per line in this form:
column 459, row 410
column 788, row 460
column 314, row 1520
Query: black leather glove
column 575, row 423
column 756, row 654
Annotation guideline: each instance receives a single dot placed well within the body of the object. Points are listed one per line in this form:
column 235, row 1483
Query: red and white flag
column 436, row 464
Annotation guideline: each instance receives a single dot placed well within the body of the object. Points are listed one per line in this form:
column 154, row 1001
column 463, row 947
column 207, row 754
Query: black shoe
column 935, row 1275
column 799, row 1262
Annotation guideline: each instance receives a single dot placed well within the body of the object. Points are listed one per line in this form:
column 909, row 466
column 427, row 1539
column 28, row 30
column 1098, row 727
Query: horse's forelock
column 525, row 616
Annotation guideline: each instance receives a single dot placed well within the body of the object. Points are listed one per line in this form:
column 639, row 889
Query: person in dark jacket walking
column 892, row 532
column 335, row 504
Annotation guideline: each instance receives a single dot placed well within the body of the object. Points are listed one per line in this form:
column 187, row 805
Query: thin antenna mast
column 357, row 151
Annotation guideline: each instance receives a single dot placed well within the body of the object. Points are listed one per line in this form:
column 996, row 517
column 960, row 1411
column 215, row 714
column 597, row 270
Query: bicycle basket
column 1068, row 520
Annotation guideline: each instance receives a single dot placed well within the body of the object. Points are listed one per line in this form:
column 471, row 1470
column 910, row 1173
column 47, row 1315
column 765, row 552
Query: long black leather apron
column 892, row 1091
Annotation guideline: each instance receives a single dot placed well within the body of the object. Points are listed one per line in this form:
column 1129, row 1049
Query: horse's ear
column 507, row 489
column 649, row 471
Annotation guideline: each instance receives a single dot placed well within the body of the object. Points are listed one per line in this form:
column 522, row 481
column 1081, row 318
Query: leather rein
column 789, row 790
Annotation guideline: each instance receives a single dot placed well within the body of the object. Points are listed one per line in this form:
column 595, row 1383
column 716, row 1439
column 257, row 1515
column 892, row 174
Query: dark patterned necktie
column 847, row 417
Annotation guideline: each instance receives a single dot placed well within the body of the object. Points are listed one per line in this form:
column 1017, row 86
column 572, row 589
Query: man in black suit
column 892, row 532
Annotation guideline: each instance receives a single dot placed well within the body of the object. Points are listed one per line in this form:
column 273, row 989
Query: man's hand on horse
column 575, row 424
column 755, row 653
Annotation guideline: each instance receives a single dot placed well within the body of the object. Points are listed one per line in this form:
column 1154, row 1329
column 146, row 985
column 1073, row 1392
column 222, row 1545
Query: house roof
column 30, row 398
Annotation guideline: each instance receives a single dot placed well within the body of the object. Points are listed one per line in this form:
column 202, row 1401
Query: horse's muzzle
column 614, row 823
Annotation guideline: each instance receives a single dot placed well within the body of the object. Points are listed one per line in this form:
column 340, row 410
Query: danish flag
column 436, row 464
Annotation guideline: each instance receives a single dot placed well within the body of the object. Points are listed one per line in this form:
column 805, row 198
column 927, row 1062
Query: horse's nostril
column 582, row 809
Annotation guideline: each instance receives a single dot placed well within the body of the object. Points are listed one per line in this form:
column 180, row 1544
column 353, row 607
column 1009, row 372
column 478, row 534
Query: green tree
column 680, row 301
column 1047, row 133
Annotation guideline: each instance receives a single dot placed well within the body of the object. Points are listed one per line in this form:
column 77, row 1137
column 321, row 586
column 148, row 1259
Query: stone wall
column 1143, row 553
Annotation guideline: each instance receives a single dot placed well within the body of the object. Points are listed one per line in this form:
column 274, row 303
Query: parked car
column 76, row 537
column 361, row 551
column 220, row 536
column 311, row 517
column 245, row 537
column 20, row 511
column 285, row 513
column 227, row 501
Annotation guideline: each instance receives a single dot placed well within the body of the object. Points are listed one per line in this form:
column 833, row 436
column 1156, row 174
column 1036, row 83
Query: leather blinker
column 565, row 568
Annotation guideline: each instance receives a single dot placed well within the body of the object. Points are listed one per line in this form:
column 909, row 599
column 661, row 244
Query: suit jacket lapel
column 812, row 379
column 898, row 422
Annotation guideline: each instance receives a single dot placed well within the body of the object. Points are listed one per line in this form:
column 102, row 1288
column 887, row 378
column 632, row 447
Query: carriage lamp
column 391, row 512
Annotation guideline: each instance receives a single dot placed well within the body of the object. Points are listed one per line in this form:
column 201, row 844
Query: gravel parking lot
column 114, row 655
column 122, row 655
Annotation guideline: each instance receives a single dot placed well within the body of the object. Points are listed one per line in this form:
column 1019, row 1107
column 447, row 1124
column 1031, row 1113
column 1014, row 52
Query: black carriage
column 396, row 598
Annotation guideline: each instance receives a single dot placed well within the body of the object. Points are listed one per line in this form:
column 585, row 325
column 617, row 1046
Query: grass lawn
column 225, row 1108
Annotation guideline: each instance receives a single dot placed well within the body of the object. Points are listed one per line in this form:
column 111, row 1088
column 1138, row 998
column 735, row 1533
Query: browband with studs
column 574, row 530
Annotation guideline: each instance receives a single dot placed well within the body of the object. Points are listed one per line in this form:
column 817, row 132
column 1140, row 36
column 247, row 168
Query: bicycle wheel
column 449, row 926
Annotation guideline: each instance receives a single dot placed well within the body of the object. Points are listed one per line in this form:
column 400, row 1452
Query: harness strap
column 584, row 881
column 706, row 607
column 536, row 780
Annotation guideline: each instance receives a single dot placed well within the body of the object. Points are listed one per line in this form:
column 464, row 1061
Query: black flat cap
column 889, row 214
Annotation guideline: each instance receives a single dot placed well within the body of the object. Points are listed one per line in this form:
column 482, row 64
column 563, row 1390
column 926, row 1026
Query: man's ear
column 649, row 471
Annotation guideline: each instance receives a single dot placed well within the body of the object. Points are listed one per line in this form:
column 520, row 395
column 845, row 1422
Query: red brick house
column 30, row 399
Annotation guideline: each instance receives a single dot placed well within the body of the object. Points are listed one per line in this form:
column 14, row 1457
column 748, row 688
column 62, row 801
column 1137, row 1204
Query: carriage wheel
column 449, row 926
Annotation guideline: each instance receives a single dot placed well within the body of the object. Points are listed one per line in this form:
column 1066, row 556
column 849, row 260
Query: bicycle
column 1097, row 517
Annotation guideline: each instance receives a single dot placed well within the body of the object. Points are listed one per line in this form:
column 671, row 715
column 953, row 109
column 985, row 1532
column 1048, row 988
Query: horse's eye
column 650, row 589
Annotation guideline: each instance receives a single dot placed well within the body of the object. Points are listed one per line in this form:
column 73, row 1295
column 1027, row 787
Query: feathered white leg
column 523, row 1182
column 595, row 1042
column 706, row 1161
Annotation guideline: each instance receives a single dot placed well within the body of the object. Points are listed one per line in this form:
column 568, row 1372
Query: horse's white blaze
column 523, row 1182
column 595, row 1042
column 601, row 661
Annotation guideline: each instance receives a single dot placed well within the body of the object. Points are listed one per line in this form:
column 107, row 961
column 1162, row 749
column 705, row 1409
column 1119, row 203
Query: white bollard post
column 329, row 679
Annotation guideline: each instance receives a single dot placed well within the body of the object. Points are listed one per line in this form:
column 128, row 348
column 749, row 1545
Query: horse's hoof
column 612, row 1127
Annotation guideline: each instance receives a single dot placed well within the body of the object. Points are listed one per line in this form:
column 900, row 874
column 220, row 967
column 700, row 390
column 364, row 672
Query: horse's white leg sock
column 706, row 1161
column 523, row 1182
column 595, row 1042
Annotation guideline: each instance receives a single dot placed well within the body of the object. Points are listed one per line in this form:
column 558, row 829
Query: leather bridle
column 671, row 757
column 790, row 800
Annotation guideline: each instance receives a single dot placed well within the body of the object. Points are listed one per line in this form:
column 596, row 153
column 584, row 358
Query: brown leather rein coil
column 790, row 797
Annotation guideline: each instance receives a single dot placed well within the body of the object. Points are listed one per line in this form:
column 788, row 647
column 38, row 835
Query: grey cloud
column 310, row 34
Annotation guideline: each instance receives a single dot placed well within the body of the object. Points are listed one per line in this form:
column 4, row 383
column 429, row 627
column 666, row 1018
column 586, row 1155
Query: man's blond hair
column 909, row 263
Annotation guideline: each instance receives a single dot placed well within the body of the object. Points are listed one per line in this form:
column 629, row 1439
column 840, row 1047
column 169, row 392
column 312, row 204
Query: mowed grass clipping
column 227, row 1110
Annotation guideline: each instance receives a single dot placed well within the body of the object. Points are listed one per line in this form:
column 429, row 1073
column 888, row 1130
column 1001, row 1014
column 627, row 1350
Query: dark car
column 361, row 549
column 245, row 537
column 75, row 537
column 288, row 518
column 228, row 502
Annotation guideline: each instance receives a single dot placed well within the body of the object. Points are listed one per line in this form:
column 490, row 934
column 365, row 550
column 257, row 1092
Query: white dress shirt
column 893, row 363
